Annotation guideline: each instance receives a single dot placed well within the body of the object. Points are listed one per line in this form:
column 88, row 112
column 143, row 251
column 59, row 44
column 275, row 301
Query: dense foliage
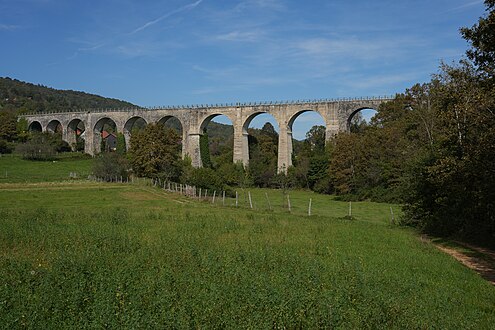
column 482, row 38
column 111, row 166
column 433, row 147
column 42, row 146
column 155, row 153
column 24, row 97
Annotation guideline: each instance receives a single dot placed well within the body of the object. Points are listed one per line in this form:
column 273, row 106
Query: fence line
column 200, row 194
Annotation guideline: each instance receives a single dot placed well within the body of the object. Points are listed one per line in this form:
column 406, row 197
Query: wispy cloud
column 352, row 47
column 126, row 44
column 213, row 90
column 88, row 47
column 264, row 4
column 380, row 81
column 241, row 36
column 167, row 15
column 7, row 27
column 466, row 5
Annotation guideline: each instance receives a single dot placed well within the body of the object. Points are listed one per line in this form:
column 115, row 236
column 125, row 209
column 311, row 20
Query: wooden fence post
column 268, row 200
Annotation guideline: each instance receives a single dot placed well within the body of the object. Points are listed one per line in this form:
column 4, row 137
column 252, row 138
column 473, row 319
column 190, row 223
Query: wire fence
column 240, row 198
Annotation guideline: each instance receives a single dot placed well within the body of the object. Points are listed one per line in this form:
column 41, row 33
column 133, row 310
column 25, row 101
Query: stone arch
column 168, row 121
column 353, row 113
column 213, row 145
column 165, row 120
column 249, row 119
column 54, row 126
column 103, row 124
column 293, row 118
column 129, row 126
column 208, row 119
column 35, row 126
column 131, row 122
column 76, row 134
column 245, row 134
column 291, row 156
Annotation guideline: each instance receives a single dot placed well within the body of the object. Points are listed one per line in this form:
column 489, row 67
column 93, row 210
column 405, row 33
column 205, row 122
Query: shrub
column 110, row 165
column 5, row 147
column 205, row 178
column 37, row 148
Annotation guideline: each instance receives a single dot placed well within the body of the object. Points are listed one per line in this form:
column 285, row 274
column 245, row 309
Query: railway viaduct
column 336, row 114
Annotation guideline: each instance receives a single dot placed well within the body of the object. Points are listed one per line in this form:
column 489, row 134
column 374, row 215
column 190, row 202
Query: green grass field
column 88, row 255
column 15, row 169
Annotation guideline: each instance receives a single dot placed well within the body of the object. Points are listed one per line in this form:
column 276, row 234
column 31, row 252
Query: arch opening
column 173, row 123
column 303, row 122
column 262, row 132
column 54, row 126
column 309, row 158
column 35, row 126
column 217, row 142
column 134, row 124
column 360, row 119
column 105, row 135
column 76, row 135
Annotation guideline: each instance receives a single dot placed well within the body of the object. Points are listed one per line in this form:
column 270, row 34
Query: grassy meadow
column 91, row 255
column 15, row 169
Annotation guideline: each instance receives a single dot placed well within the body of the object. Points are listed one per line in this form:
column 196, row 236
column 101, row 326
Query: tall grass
column 92, row 256
column 15, row 169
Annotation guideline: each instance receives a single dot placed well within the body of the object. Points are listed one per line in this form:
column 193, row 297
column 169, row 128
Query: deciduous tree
column 155, row 153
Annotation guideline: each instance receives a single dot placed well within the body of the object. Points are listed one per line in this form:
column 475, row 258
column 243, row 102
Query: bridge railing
column 217, row 105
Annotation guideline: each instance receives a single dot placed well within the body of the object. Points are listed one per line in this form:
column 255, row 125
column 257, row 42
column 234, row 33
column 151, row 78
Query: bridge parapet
column 217, row 105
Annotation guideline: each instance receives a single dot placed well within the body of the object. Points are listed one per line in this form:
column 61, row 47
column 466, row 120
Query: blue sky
column 211, row 51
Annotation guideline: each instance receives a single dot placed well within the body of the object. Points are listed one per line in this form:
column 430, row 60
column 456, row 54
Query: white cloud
column 466, row 5
column 7, row 27
column 376, row 83
column 167, row 15
column 239, row 36
column 352, row 47
column 276, row 5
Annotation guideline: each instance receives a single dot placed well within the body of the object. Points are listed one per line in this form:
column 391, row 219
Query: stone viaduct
column 336, row 114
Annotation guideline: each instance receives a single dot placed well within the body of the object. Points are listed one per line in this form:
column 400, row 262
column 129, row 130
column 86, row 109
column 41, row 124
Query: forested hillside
column 23, row 97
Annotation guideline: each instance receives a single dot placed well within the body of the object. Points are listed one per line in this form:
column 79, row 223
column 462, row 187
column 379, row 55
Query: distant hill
column 23, row 97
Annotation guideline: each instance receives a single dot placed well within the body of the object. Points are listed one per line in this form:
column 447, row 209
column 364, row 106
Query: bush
column 233, row 174
column 205, row 178
column 37, row 148
column 111, row 165
column 5, row 147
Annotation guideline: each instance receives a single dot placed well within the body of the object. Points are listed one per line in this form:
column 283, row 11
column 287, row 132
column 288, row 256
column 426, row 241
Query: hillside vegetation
column 22, row 97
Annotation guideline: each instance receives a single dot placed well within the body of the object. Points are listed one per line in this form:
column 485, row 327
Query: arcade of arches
column 89, row 126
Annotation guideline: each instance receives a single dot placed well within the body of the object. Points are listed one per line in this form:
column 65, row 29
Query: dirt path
column 481, row 260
